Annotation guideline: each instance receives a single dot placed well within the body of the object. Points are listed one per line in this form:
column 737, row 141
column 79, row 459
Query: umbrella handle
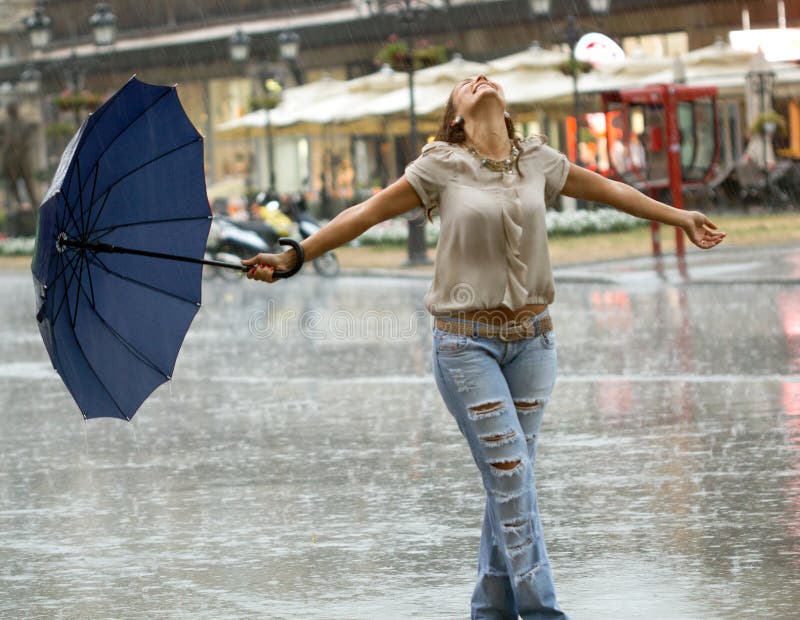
column 286, row 273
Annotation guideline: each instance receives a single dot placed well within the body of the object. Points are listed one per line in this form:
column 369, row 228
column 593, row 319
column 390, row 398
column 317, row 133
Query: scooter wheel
column 326, row 265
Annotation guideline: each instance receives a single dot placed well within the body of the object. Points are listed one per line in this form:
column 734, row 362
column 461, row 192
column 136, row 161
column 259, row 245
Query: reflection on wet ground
column 304, row 465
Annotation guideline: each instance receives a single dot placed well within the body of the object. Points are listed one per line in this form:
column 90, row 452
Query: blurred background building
column 93, row 48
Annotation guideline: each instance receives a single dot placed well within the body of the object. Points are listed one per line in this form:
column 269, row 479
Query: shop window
column 668, row 44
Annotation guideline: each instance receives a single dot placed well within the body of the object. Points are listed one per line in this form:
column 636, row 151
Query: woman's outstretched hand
column 702, row 231
column 263, row 266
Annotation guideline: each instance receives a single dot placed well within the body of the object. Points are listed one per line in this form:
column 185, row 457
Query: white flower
column 17, row 246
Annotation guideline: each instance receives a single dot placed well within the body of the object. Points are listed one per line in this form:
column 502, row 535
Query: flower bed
column 395, row 231
column 17, row 246
column 582, row 222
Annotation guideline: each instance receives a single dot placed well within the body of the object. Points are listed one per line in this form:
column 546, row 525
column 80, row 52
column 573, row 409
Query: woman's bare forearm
column 392, row 201
column 588, row 185
column 630, row 200
column 346, row 226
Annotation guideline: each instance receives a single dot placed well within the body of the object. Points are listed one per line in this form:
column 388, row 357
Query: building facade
column 186, row 42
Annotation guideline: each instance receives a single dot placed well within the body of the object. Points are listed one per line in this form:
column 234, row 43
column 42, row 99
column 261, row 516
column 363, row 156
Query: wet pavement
column 302, row 463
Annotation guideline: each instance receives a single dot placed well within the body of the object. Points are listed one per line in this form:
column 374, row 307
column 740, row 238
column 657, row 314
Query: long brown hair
column 454, row 133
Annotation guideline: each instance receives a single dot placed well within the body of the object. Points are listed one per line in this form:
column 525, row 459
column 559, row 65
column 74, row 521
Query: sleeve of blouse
column 555, row 166
column 431, row 171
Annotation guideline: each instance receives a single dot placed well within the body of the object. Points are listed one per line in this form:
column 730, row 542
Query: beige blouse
column 492, row 247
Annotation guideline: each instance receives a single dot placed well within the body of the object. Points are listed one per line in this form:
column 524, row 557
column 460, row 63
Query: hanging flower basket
column 265, row 102
column 769, row 122
column 573, row 66
column 395, row 54
column 59, row 130
column 70, row 100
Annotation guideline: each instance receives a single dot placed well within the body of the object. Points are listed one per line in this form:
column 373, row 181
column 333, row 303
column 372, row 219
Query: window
column 668, row 44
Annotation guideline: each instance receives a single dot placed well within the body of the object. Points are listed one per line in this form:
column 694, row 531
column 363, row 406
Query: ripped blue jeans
column 497, row 392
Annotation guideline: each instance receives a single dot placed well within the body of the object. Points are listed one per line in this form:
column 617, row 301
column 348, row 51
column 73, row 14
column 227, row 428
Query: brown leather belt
column 507, row 332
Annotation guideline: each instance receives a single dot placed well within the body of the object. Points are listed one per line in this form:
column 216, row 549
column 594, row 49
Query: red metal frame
column 669, row 95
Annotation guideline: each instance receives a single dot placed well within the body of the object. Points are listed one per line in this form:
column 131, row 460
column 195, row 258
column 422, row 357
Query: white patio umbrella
column 535, row 58
column 718, row 53
column 432, row 88
column 289, row 112
column 382, row 80
column 450, row 72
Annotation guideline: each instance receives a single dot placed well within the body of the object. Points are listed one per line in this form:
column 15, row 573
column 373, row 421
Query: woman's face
column 472, row 90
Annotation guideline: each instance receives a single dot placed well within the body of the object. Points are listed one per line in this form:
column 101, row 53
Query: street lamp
column 599, row 7
column 38, row 27
column 272, row 90
column 30, row 80
column 409, row 13
column 573, row 34
column 289, row 46
column 760, row 81
column 104, row 25
column 539, row 8
column 239, row 47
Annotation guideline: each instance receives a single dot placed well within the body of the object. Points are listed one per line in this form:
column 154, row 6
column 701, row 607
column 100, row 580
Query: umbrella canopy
column 131, row 176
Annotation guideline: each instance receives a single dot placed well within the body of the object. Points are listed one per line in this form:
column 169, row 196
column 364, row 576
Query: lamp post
column 760, row 81
column 104, row 31
column 239, row 47
column 289, row 46
column 104, row 25
column 38, row 26
column 408, row 13
column 30, row 80
column 272, row 90
column 573, row 33
column 239, row 50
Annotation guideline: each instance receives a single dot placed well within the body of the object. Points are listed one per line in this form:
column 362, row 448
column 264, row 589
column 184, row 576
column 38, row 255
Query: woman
column 494, row 349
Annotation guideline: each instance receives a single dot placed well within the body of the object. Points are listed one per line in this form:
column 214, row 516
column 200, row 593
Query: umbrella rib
column 102, row 206
column 102, row 385
column 107, row 191
column 58, row 275
column 69, row 212
column 147, row 108
column 91, row 199
column 80, row 197
column 122, row 340
column 81, row 263
column 144, row 111
column 109, row 229
column 139, row 282
column 66, row 289
column 96, row 116
column 91, row 286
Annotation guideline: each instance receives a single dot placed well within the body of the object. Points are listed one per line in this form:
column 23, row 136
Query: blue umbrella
column 119, row 250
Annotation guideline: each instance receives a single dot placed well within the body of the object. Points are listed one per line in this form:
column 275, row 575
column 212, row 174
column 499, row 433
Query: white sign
column 777, row 43
column 598, row 49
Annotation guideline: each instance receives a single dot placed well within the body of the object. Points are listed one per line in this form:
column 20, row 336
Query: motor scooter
column 327, row 264
column 228, row 242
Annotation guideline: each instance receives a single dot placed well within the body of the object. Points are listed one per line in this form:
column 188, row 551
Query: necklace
column 498, row 165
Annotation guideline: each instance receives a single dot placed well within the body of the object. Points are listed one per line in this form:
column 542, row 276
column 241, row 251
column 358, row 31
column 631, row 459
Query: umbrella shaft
column 107, row 247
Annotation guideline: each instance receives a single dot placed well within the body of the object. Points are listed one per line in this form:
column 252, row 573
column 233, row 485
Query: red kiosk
column 663, row 137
